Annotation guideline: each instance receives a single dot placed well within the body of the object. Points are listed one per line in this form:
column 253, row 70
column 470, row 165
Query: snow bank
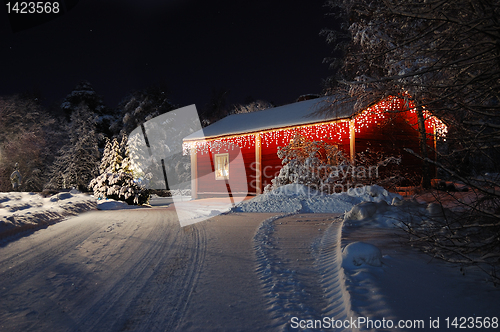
column 300, row 198
column 111, row 204
column 399, row 212
column 20, row 211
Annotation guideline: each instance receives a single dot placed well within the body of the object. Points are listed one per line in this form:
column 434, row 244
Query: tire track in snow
column 329, row 263
column 134, row 261
column 163, row 281
column 190, row 276
column 40, row 273
column 102, row 271
column 296, row 290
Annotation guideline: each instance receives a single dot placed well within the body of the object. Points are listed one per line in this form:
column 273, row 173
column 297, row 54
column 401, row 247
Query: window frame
column 218, row 158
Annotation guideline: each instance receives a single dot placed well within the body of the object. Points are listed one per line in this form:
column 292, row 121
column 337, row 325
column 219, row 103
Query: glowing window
column 222, row 166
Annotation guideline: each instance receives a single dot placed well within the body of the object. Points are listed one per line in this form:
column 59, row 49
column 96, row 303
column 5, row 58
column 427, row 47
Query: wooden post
column 352, row 139
column 434, row 137
column 194, row 172
column 258, row 165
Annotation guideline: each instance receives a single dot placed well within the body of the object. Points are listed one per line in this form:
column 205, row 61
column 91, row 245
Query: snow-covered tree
column 254, row 106
column 442, row 54
column 29, row 135
column 116, row 178
column 84, row 94
column 307, row 162
column 78, row 161
column 106, row 159
column 139, row 107
column 324, row 168
column 164, row 155
column 445, row 55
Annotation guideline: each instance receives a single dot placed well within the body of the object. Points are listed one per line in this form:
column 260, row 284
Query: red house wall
column 238, row 184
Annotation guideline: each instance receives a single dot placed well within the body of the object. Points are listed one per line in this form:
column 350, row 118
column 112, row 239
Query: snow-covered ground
column 20, row 211
column 299, row 198
column 366, row 270
column 286, row 261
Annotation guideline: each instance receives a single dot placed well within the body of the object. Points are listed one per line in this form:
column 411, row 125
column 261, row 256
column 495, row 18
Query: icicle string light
column 384, row 109
column 337, row 131
column 334, row 131
column 220, row 144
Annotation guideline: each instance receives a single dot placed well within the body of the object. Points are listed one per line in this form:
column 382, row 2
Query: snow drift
column 300, row 198
column 394, row 214
column 21, row 211
column 358, row 253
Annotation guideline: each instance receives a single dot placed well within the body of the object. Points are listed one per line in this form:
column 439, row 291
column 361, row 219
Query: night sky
column 268, row 50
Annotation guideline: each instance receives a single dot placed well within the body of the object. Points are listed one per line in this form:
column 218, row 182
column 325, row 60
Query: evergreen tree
column 106, row 159
column 84, row 94
column 139, row 107
column 116, row 179
column 78, row 161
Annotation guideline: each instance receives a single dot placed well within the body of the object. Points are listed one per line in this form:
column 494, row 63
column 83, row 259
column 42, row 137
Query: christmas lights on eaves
column 336, row 131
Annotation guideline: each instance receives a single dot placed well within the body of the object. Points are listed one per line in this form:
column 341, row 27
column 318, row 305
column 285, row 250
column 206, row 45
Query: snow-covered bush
column 466, row 234
column 323, row 167
column 309, row 163
column 116, row 179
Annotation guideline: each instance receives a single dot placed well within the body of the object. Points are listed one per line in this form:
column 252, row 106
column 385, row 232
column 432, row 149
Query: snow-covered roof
column 295, row 114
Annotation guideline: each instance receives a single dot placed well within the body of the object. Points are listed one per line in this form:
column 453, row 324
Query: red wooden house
column 239, row 153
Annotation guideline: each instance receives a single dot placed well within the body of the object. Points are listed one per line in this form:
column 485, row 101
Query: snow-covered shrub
column 467, row 233
column 365, row 210
column 307, row 162
column 116, row 179
column 323, row 167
